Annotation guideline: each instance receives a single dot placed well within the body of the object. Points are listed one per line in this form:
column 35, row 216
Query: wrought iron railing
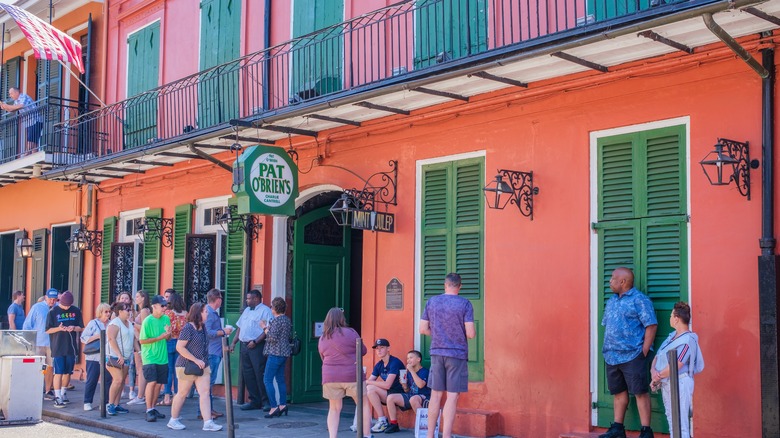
column 37, row 128
column 403, row 39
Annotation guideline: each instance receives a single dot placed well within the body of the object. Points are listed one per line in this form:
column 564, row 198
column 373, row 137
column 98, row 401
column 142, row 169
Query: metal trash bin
column 21, row 380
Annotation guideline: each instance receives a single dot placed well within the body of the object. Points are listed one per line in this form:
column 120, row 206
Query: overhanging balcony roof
column 597, row 47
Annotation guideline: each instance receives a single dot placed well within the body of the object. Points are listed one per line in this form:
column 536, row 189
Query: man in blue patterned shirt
column 629, row 330
column 30, row 117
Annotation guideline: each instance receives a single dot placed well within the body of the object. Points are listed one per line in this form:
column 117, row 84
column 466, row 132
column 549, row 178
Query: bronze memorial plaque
column 394, row 295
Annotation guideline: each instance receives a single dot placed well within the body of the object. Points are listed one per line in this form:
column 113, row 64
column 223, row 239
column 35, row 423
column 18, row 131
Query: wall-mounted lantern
column 730, row 161
column 24, row 247
column 86, row 240
column 232, row 222
column 159, row 228
column 518, row 189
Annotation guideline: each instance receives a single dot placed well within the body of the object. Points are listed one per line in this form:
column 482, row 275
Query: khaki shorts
column 45, row 352
column 337, row 390
column 188, row 378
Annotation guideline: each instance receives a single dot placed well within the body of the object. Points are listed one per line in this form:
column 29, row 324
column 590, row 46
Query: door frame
column 594, row 136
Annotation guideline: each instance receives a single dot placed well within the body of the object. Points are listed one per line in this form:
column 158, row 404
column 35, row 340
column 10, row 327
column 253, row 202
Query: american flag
column 46, row 41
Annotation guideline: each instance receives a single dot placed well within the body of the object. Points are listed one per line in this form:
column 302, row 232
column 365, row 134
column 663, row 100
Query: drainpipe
column 208, row 157
column 768, row 261
column 266, row 46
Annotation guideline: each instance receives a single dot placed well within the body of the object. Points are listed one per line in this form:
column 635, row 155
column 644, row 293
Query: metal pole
column 102, row 374
column 231, row 427
column 359, row 380
column 674, row 383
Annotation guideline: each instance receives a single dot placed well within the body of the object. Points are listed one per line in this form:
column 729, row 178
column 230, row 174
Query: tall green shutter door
column 318, row 61
column 9, row 77
column 40, row 260
column 49, row 85
column 75, row 270
column 182, row 225
column 20, row 267
column 109, row 227
column 150, row 279
column 453, row 241
column 143, row 70
column 457, row 28
column 234, row 286
column 643, row 226
column 600, row 10
column 220, row 38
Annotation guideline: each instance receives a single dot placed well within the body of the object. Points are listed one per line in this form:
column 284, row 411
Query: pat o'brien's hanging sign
column 265, row 181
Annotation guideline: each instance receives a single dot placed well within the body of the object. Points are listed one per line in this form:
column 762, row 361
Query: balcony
column 32, row 139
column 391, row 61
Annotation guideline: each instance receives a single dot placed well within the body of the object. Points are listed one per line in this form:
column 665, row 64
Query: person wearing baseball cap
column 63, row 324
column 383, row 381
column 36, row 320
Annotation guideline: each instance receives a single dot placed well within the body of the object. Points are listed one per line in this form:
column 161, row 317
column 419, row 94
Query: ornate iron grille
column 122, row 256
column 200, row 264
column 323, row 231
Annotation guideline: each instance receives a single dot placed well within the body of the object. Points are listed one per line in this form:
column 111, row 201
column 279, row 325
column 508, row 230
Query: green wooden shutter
column 109, row 227
column 40, row 260
column 75, row 271
column 455, row 27
column 143, row 60
column 220, row 39
column 20, row 267
column 452, row 241
column 150, row 281
column 318, row 60
column 642, row 202
column 182, row 224
column 10, row 74
column 234, row 282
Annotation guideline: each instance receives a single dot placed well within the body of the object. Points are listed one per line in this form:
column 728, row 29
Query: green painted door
column 320, row 281
column 453, row 240
column 643, row 226
column 143, row 74
column 600, row 10
column 318, row 61
column 449, row 29
column 220, row 38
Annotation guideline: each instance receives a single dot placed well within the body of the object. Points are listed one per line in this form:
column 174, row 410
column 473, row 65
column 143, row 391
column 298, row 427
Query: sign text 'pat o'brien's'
column 271, row 180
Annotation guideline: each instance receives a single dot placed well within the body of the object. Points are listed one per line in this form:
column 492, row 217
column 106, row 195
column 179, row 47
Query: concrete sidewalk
column 303, row 420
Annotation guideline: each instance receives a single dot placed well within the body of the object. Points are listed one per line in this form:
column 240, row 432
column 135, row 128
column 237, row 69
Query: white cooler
column 21, row 388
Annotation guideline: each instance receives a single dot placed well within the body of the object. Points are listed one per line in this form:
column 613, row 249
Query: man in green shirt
column 155, row 331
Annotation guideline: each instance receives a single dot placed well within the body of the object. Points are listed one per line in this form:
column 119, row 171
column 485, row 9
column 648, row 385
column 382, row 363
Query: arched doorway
column 325, row 271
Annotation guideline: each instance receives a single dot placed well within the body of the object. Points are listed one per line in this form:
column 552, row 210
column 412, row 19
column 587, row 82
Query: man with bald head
column 629, row 330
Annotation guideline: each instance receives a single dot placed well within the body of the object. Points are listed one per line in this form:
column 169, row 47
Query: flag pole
column 82, row 83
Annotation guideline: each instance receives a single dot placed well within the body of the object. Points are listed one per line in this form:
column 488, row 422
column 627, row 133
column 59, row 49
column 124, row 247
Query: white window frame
column 595, row 276
column 136, row 240
column 201, row 205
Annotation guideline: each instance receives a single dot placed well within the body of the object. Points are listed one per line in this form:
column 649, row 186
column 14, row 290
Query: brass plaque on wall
column 394, row 295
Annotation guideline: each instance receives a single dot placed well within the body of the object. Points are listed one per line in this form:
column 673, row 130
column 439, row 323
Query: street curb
column 97, row 424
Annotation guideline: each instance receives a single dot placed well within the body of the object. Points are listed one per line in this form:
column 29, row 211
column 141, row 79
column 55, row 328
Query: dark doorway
column 60, row 258
column 199, row 267
column 7, row 251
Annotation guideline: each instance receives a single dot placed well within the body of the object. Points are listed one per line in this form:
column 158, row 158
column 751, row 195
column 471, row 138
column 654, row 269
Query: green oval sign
column 270, row 181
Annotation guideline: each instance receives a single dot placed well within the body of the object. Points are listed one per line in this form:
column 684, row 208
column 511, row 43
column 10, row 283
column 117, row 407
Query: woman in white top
column 92, row 333
column 120, row 336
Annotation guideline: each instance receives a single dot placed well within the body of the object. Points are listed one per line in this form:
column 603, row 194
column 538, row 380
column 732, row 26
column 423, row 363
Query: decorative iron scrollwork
column 232, row 222
column 157, row 228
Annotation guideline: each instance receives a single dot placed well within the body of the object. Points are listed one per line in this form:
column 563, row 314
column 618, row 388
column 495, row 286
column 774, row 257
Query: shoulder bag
column 92, row 347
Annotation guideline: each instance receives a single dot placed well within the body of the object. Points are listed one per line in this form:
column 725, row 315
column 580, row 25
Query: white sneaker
column 136, row 401
column 175, row 424
column 379, row 427
column 132, row 395
column 211, row 426
column 353, row 428
column 87, row 406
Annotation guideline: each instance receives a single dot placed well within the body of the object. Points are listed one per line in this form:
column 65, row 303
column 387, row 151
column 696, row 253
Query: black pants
column 93, row 375
column 252, row 369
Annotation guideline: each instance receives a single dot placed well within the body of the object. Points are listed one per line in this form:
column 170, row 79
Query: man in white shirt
column 252, row 339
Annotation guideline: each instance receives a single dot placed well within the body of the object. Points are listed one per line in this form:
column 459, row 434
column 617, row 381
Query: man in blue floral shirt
column 629, row 330
column 30, row 117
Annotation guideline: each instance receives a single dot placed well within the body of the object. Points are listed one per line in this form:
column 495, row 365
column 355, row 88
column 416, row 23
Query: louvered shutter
column 642, row 225
column 182, row 224
column 20, row 267
column 234, row 282
column 109, row 227
column 150, row 281
column 40, row 254
column 75, row 270
column 452, row 240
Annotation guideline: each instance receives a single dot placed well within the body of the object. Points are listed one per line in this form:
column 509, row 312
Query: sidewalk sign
column 421, row 423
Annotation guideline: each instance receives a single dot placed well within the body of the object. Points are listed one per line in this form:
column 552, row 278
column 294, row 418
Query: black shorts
column 631, row 376
column 156, row 373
